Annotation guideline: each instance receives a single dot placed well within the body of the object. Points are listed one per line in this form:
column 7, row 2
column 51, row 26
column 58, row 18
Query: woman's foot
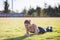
column 49, row 29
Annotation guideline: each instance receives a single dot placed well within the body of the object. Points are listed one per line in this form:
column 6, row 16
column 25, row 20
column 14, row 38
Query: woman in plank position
column 33, row 28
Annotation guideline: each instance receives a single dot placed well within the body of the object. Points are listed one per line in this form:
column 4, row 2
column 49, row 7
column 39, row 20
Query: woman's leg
column 41, row 30
column 49, row 29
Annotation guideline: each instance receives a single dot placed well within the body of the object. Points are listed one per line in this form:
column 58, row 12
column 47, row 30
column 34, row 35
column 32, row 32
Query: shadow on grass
column 19, row 38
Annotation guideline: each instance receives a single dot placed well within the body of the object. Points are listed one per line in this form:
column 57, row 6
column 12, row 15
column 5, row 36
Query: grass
column 13, row 29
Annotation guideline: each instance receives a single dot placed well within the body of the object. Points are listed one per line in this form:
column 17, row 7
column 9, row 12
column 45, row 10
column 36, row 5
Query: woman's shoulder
column 33, row 24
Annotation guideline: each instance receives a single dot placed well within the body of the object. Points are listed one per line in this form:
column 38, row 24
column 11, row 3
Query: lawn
column 13, row 29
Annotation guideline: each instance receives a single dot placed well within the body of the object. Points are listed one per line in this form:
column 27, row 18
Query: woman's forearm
column 27, row 33
column 36, row 32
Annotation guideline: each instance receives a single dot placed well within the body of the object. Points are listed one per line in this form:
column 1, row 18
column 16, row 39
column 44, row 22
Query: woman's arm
column 36, row 32
column 35, row 27
column 27, row 31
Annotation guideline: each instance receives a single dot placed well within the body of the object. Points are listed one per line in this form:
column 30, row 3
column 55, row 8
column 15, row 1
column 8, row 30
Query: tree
column 56, row 12
column 45, row 12
column 59, row 11
column 31, row 11
column 6, row 10
column 38, row 10
column 24, row 11
column 50, row 11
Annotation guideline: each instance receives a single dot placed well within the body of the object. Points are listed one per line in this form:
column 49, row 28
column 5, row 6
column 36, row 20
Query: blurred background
column 29, row 8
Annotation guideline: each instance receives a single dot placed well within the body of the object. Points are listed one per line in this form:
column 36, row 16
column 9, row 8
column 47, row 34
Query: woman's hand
column 26, row 35
column 36, row 33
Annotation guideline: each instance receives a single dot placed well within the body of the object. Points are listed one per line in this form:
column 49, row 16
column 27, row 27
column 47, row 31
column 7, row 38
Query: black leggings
column 41, row 30
column 48, row 29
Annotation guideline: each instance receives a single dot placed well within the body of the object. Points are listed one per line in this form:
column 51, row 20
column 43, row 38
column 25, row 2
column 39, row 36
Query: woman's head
column 26, row 22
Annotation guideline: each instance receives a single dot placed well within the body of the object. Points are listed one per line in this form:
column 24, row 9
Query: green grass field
column 13, row 29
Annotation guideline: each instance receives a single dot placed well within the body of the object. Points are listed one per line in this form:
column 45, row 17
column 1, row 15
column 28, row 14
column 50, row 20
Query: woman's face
column 27, row 24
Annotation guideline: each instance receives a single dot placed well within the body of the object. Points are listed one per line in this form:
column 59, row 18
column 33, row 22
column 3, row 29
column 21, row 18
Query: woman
column 33, row 28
